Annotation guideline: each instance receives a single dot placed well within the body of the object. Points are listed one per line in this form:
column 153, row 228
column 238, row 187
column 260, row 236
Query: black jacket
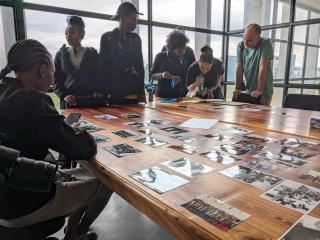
column 71, row 81
column 121, row 69
column 167, row 61
column 31, row 124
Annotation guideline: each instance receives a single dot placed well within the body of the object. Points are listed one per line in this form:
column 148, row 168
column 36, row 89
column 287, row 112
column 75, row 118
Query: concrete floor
column 121, row 221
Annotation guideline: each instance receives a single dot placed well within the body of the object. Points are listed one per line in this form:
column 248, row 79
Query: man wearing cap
column 121, row 69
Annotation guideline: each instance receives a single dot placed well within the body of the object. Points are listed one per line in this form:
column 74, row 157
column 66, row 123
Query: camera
column 23, row 173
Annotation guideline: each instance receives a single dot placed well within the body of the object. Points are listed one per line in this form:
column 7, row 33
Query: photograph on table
column 295, row 142
column 105, row 117
column 280, row 159
column 306, row 228
column 151, row 142
column 250, row 146
column 232, row 149
column 84, row 125
column 125, row 133
column 257, row 138
column 156, row 122
column 137, row 124
column 131, row 115
column 146, row 131
column 236, row 130
column 188, row 167
column 260, row 165
column 185, row 148
column 215, row 212
column 312, row 175
column 218, row 137
column 121, row 150
column 294, row 195
column 186, row 138
column 253, row 177
column 99, row 138
column 298, row 153
column 174, row 130
column 220, row 157
column 158, row 179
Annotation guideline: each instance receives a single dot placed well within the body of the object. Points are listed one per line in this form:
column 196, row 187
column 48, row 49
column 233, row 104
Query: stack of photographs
column 312, row 175
column 105, row 117
column 294, row 195
column 158, row 180
column 125, row 133
column 253, row 177
column 215, row 212
column 306, row 228
column 220, row 157
column 185, row 148
column 131, row 115
column 174, row 130
column 187, row 167
column 99, row 138
column 84, row 125
column 280, row 159
column 218, row 137
column 122, row 150
column 152, row 142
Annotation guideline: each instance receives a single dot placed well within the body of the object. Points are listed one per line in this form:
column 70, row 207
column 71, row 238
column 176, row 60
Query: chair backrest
column 305, row 102
column 35, row 232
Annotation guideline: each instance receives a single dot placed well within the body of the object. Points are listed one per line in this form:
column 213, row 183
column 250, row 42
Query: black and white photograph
column 311, row 175
column 84, row 125
column 218, row 137
column 174, row 130
column 298, row 153
column 232, row 149
column 253, row 177
column 186, row 138
column 250, row 146
column 158, row 179
column 306, row 228
column 122, row 150
column 105, row 117
column 131, row 115
column 294, row 195
column 185, row 148
column 188, row 167
column 215, row 212
column 236, row 130
column 137, row 124
column 151, row 142
column 295, row 142
column 125, row 133
column 280, row 159
column 257, row 138
column 220, row 157
column 260, row 165
column 99, row 138
column 156, row 122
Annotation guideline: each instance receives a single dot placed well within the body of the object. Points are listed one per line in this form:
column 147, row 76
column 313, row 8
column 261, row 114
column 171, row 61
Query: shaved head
column 251, row 36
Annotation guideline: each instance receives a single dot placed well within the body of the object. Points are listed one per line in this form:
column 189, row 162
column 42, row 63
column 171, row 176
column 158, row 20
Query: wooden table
column 267, row 221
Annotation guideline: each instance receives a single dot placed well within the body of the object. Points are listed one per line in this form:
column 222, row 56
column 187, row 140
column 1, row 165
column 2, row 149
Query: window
column 232, row 58
column 307, row 9
column 262, row 12
column 7, row 33
column 277, row 97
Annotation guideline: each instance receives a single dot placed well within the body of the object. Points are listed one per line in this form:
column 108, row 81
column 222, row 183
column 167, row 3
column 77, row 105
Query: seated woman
column 204, row 76
column 75, row 78
column 30, row 124
column 169, row 67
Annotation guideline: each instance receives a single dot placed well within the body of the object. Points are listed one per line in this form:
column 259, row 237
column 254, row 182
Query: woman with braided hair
column 30, row 124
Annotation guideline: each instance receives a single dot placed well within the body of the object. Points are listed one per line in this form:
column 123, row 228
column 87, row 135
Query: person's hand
column 166, row 75
column 256, row 94
column 199, row 80
column 71, row 99
column 236, row 93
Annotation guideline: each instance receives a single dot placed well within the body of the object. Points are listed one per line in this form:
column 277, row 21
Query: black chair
column 305, row 102
column 38, row 231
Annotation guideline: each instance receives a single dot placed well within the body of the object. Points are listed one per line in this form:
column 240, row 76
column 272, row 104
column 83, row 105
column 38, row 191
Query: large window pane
column 303, row 91
column 307, row 9
column 7, row 33
column 262, row 12
column 232, row 58
column 143, row 33
column 277, row 97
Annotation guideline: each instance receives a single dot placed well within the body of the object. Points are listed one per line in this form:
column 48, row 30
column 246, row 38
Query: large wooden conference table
column 268, row 220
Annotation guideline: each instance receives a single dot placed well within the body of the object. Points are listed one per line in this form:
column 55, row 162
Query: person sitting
column 75, row 77
column 169, row 67
column 30, row 124
column 204, row 76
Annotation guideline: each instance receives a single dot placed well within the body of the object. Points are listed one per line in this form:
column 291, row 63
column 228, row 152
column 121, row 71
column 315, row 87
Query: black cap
column 124, row 9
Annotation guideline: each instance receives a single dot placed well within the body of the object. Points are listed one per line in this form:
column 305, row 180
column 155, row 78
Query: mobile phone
column 73, row 118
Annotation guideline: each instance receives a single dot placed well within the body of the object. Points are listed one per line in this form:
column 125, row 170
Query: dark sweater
column 31, row 124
